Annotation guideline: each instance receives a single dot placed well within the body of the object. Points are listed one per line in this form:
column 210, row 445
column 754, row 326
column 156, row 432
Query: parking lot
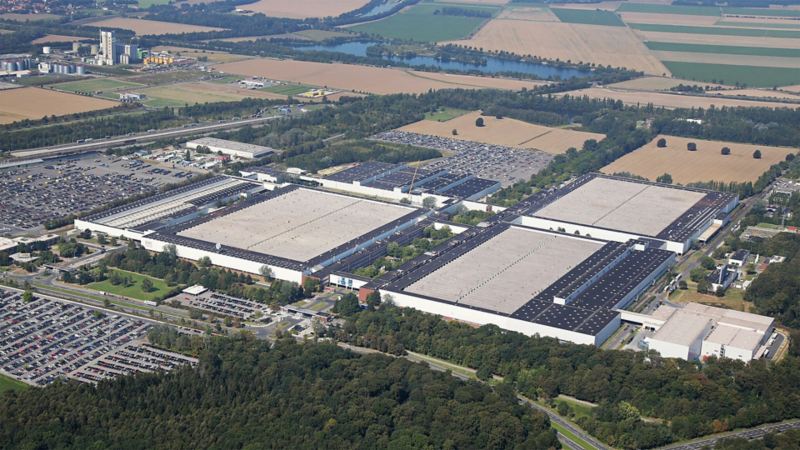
column 225, row 305
column 43, row 340
column 34, row 194
column 495, row 162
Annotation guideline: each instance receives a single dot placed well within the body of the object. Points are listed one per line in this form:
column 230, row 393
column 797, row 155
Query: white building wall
column 507, row 323
column 669, row 349
column 377, row 193
column 223, row 260
column 110, row 231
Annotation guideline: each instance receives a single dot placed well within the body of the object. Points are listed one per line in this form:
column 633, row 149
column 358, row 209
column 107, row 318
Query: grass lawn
column 421, row 23
column 723, row 49
column 135, row 289
column 754, row 76
column 288, row 89
column 10, row 384
column 447, row 365
column 95, row 85
column 669, row 9
column 733, row 299
column 445, row 114
column 148, row 3
column 769, row 226
column 580, row 409
column 690, row 29
column 588, row 16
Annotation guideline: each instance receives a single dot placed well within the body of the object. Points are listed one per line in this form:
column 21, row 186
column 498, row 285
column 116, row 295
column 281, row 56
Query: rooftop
column 256, row 150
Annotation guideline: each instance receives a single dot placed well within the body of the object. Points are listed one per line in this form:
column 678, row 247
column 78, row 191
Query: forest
column 246, row 394
column 644, row 400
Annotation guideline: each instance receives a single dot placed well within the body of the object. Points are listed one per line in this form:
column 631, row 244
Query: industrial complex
column 562, row 263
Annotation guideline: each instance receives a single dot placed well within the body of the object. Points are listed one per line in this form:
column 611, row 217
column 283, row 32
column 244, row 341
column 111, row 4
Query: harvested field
column 712, row 39
column 759, row 22
column 705, row 164
column 375, row 80
column 144, row 27
column 669, row 9
column 604, row 5
column 716, row 31
column 668, row 19
column 475, row 2
column 200, row 92
column 507, row 132
column 56, row 38
column 672, row 101
column 304, row 9
column 652, row 84
column 35, row 103
column 616, row 46
column 761, row 93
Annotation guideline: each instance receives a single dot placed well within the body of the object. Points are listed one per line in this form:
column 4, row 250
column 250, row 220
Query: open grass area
column 10, row 384
column 148, row 3
column 134, row 290
column 469, row 373
column 588, row 16
column 669, row 9
column 754, row 76
column 288, row 89
column 723, row 49
column 581, row 409
column 688, row 29
column 791, row 26
column 95, row 85
column 423, row 23
column 445, row 114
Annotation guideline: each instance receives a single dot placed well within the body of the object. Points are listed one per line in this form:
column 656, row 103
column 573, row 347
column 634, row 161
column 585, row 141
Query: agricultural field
column 134, row 290
column 35, row 103
column 144, row 27
column 56, row 38
column 668, row 19
column 95, row 85
column 288, row 89
column 720, row 31
column 652, row 8
column 42, row 17
column 616, row 46
column 304, row 9
column 183, row 94
column 422, row 22
column 210, row 56
column 588, row 17
column 723, row 49
column 672, row 101
column 653, row 84
column 532, row 13
column 757, row 76
column 506, row 131
column 445, row 114
column 364, row 79
column 706, row 164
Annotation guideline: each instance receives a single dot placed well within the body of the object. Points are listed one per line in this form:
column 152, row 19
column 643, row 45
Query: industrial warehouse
column 562, row 263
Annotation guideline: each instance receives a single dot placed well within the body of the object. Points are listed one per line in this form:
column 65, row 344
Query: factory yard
column 496, row 275
column 144, row 27
column 494, row 162
column 673, row 101
column 374, row 80
column 705, row 164
column 298, row 225
column 606, row 45
column 506, row 132
column 304, row 9
column 35, row 103
column 41, row 192
column 44, row 340
column 617, row 205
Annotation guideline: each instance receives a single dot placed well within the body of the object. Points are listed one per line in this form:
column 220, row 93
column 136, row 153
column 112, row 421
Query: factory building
column 109, row 51
column 697, row 331
column 231, row 148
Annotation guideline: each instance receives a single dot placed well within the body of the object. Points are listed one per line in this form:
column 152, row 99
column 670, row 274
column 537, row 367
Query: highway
column 140, row 138
column 749, row 434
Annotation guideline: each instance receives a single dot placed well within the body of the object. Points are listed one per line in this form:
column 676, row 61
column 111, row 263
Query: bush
column 662, row 143
column 757, row 154
column 726, row 151
column 691, row 146
column 479, row 122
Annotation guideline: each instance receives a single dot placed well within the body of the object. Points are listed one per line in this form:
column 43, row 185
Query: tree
column 147, row 285
column 27, row 296
column 429, row 202
column 455, row 132
column 479, row 122
column 204, row 262
column 666, row 179
column 266, row 272
column 708, row 263
column 726, row 151
column 347, row 305
column 757, row 154
column 662, row 143
column 691, row 146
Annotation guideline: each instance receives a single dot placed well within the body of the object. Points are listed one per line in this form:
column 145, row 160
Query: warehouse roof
column 255, row 150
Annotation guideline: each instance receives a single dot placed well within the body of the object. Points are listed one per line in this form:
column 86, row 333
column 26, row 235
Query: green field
column 135, row 289
column 420, row 23
column 790, row 26
column 580, row 409
column 148, row 3
column 95, row 85
column 445, row 114
column 288, row 89
column 750, row 32
column 10, row 384
column 764, row 12
column 729, row 74
column 669, row 9
column 588, row 16
column 723, row 49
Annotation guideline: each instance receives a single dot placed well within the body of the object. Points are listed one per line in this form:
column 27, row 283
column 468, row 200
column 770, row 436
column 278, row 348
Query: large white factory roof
column 231, row 147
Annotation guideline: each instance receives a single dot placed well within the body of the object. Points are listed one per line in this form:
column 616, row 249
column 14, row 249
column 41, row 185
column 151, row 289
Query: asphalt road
column 140, row 138
column 749, row 433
